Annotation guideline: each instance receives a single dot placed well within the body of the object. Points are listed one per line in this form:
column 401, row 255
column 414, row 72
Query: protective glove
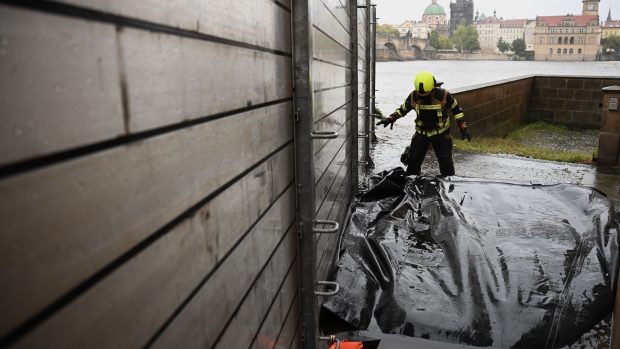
column 390, row 120
column 464, row 131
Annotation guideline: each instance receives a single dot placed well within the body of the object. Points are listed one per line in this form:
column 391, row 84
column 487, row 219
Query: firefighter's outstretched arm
column 397, row 114
column 459, row 116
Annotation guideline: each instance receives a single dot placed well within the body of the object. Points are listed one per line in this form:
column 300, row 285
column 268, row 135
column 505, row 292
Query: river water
column 395, row 79
column 395, row 82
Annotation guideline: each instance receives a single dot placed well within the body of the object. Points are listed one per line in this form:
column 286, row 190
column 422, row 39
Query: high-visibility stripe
column 430, row 107
column 404, row 106
column 398, row 112
column 430, row 133
column 454, row 104
column 458, row 116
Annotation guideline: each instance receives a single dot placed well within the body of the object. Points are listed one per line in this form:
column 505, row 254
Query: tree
column 433, row 38
column 466, row 38
column 518, row 47
column 444, row 43
column 502, row 45
column 388, row 30
column 611, row 43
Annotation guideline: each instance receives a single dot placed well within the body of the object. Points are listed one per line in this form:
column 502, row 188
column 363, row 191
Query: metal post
column 354, row 97
column 304, row 167
column 373, row 89
column 367, row 85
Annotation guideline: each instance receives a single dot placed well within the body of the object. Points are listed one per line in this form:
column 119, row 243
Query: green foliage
column 439, row 42
column 612, row 43
column 444, row 43
column 518, row 47
column 466, row 39
column 434, row 39
column 502, row 45
column 388, row 30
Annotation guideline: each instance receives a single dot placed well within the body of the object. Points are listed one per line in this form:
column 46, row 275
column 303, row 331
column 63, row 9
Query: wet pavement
column 386, row 154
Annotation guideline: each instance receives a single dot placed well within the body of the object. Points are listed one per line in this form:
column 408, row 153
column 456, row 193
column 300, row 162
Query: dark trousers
column 442, row 145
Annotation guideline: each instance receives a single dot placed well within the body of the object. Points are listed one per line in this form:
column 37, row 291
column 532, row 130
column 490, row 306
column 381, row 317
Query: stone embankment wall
column 497, row 108
column 572, row 101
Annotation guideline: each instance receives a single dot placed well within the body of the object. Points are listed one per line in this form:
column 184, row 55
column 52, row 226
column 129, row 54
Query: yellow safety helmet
column 424, row 82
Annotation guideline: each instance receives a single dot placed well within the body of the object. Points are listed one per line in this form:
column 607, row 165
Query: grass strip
column 496, row 145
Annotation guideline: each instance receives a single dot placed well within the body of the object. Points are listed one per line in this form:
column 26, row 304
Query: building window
column 551, row 51
column 570, row 51
column 565, row 40
column 579, row 51
column 572, row 40
column 565, row 51
column 559, row 51
column 559, row 39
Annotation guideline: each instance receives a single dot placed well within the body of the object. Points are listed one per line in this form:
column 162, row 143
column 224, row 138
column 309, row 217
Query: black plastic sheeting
column 476, row 262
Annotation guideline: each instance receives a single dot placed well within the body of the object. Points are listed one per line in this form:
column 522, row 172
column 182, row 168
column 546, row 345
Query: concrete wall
column 496, row 108
column 573, row 101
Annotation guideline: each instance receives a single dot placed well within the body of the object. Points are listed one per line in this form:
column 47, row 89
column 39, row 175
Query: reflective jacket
column 432, row 111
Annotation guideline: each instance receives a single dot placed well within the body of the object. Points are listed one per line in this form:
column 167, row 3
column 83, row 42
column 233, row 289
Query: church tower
column 461, row 13
column 590, row 7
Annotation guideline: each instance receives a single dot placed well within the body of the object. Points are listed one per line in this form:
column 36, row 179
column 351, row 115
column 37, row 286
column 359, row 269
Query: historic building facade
column 435, row 16
column 569, row 37
column 512, row 29
column 419, row 30
column 530, row 30
column 461, row 13
column 488, row 33
column 590, row 7
column 611, row 27
column 491, row 29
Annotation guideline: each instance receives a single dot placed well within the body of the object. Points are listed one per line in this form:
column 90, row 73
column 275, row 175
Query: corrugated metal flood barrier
column 153, row 158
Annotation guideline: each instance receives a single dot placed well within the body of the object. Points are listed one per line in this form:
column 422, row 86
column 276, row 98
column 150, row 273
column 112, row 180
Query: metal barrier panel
column 364, row 110
column 327, row 137
column 147, row 174
column 332, row 104
column 161, row 185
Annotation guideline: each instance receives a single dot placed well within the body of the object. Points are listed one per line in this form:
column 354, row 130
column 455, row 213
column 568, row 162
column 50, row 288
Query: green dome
column 434, row 9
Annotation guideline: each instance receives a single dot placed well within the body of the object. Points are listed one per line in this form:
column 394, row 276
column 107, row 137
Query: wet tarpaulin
column 476, row 262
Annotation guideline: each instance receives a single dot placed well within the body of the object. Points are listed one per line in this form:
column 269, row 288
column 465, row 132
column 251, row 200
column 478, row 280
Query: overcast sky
column 397, row 11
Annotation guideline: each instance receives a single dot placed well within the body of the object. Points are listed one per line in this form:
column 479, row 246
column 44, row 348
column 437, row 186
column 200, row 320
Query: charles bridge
column 392, row 48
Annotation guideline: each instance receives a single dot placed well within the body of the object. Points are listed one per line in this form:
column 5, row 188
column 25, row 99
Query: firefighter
column 431, row 105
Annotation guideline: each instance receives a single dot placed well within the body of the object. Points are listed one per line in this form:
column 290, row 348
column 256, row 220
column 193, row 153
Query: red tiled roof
column 490, row 19
column 513, row 23
column 554, row 21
